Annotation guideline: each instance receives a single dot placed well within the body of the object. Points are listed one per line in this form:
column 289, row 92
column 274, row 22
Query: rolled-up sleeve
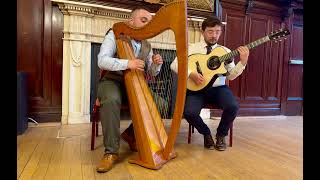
column 106, row 60
column 234, row 70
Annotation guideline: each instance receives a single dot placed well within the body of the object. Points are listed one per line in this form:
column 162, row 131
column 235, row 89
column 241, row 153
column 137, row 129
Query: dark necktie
column 209, row 49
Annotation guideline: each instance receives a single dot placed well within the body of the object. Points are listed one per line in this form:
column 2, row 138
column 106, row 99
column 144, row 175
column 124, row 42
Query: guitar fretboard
column 250, row 46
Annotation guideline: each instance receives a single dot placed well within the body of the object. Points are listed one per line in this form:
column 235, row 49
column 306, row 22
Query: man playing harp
column 110, row 87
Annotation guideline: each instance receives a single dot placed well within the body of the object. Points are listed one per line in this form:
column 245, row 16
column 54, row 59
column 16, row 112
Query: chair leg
column 93, row 136
column 97, row 128
column 231, row 135
column 189, row 134
column 94, row 130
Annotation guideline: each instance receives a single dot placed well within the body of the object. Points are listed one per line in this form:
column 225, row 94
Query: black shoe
column 221, row 143
column 208, row 142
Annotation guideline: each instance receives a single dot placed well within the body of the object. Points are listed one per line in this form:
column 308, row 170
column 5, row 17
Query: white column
column 76, row 67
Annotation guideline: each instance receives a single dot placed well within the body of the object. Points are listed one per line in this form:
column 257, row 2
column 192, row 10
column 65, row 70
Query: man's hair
column 136, row 9
column 211, row 22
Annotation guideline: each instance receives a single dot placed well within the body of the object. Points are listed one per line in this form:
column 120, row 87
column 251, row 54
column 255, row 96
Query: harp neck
column 166, row 18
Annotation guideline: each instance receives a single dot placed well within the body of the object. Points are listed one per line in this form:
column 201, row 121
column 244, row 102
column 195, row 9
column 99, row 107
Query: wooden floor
column 264, row 148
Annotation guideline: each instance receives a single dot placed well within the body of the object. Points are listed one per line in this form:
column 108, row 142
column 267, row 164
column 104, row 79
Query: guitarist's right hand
column 197, row 78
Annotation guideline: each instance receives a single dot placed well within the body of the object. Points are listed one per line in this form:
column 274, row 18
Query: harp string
column 162, row 84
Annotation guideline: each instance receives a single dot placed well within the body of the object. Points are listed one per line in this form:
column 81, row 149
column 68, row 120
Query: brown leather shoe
column 106, row 163
column 208, row 142
column 130, row 140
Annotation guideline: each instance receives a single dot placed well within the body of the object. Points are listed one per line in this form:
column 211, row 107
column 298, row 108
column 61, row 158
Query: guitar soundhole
column 213, row 63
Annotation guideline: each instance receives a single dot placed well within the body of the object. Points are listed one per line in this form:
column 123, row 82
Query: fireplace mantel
column 86, row 23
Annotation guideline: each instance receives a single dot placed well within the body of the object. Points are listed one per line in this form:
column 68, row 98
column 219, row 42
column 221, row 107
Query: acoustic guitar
column 212, row 64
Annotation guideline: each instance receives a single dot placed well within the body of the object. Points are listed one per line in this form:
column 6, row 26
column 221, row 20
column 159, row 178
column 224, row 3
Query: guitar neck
column 252, row 45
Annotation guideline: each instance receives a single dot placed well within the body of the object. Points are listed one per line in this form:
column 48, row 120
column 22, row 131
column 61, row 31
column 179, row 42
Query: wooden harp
column 155, row 146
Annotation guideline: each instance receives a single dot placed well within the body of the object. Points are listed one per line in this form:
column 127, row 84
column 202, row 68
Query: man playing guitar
column 218, row 93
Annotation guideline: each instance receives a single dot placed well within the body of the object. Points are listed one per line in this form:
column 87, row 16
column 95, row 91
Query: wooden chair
column 212, row 106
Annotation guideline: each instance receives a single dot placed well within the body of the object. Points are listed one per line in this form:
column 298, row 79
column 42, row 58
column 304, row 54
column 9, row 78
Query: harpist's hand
column 196, row 77
column 157, row 59
column 136, row 64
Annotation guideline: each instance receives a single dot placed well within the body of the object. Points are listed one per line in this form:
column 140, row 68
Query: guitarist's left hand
column 244, row 54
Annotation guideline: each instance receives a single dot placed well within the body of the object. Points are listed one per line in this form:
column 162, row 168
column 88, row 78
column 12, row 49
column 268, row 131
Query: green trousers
column 110, row 94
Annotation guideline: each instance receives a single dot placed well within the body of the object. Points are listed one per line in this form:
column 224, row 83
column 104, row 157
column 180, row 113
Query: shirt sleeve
column 174, row 65
column 106, row 60
column 233, row 70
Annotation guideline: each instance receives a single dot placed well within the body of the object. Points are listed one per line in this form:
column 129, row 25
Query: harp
column 155, row 145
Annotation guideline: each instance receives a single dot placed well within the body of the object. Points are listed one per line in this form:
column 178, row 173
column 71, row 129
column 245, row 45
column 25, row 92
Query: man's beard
column 211, row 44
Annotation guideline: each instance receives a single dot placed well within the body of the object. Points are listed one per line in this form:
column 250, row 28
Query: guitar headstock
column 279, row 34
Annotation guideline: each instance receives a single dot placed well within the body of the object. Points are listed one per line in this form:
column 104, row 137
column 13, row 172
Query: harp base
column 159, row 161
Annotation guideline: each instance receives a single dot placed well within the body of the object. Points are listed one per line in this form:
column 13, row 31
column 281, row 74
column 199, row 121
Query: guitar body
column 210, row 65
column 209, row 75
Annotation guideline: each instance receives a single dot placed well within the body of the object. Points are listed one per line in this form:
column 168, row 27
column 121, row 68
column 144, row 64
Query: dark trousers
column 222, row 97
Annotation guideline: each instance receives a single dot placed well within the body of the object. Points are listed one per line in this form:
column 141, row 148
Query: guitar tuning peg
column 280, row 40
column 285, row 38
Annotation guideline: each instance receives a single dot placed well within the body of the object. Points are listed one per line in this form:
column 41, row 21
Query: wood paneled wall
column 292, row 101
column 39, row 48
column 268, row 83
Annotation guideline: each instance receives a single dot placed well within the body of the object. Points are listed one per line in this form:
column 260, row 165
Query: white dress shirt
column 201, row 47
column 108, row 49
